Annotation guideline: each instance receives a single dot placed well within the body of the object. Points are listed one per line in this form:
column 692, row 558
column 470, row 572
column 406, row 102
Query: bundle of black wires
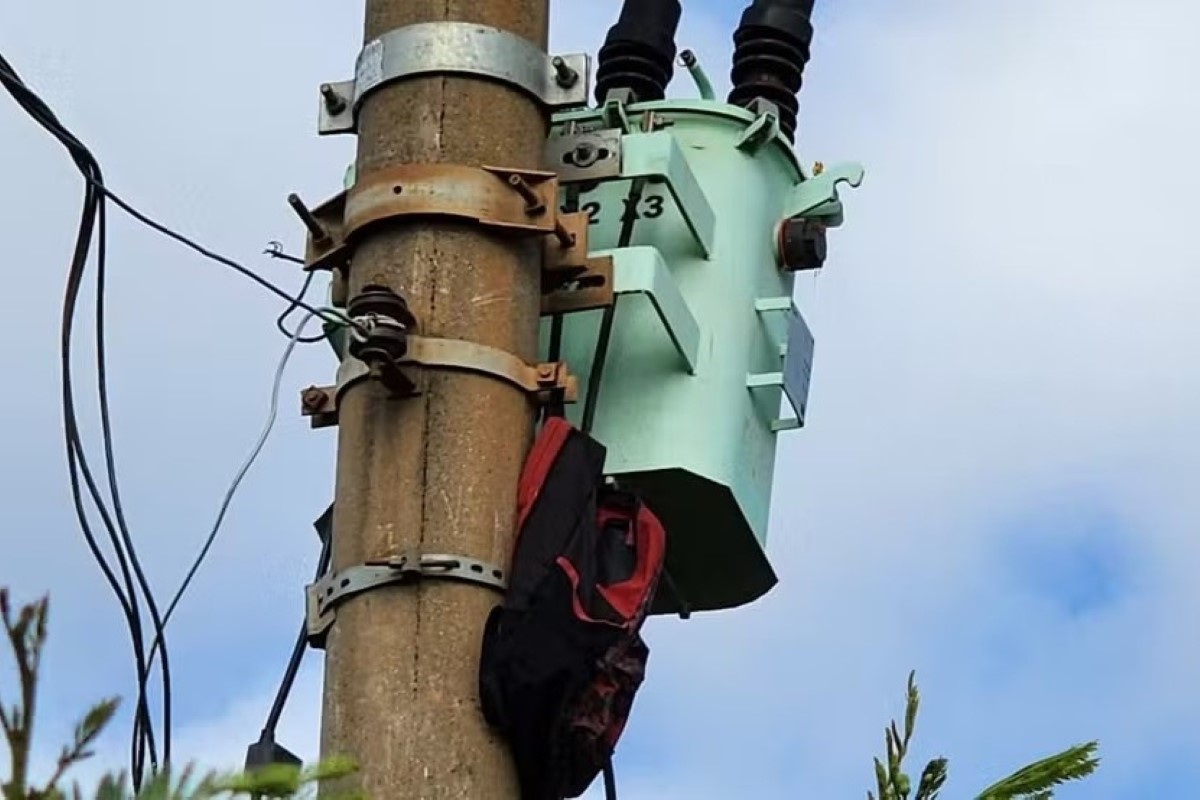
column 93, row 223
column 127, row 580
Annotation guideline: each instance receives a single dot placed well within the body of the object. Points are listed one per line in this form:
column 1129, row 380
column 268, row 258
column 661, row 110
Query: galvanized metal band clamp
column 537, row 379
column 449, row 48
column 323, row 596
column 544, row 382
column 460, row 354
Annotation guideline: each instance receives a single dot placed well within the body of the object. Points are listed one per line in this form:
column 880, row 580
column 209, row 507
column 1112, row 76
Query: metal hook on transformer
column 818, row 195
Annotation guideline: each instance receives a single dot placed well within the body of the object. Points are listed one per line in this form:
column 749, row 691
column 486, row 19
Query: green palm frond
column 1036, row 781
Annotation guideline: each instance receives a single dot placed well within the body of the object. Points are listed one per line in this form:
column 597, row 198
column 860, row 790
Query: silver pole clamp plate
column 455, row 48
column 585, row 156
column 324, row 596
column 540, row 381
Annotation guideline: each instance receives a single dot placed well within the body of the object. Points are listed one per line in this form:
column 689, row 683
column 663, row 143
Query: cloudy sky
column 996, row 487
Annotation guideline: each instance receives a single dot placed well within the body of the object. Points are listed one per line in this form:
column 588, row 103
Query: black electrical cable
column 570, row 206
column 556, row 335
column 77, row 462
column 596, row 375
column 141, row 723
column 610, row 781
column 93, row 213
column 293, row 665
column 275, row 250
column 95, row 195
column 36, row 108
column 217, row 257
column 287, row 312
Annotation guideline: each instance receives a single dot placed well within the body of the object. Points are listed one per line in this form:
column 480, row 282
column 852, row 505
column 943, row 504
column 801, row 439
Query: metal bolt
column 584, row 155
column 334, row 103
column 533, row 203
column 565, row 238
column 313, row 398
column 545, row 372
column 319, row 234
column 564, row 76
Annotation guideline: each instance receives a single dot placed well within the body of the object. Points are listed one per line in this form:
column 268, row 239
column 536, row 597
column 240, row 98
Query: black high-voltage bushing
column 639, row 52
column 771, row 48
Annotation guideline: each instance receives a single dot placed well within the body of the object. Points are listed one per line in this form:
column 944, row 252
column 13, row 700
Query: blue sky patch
column 1072, row 552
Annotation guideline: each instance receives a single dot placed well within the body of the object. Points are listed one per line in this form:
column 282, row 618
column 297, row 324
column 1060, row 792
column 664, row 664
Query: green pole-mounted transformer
column 706, row 214
column 701, row 214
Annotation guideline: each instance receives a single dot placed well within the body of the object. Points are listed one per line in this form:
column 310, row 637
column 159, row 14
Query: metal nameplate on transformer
column 797, row 364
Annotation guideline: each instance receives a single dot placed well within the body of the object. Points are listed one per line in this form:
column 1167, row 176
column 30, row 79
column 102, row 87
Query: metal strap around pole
column 324, row 595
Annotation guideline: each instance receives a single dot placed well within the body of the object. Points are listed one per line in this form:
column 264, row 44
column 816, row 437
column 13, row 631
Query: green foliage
column 26, row 632
column 1034, row 782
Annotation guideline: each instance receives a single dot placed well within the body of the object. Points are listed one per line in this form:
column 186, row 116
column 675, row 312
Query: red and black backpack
column 563, row 656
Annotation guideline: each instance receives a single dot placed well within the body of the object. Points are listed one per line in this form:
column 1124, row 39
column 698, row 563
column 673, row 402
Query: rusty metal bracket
column 540, row 381
column 496, row 197
column 324, row 595
column 320, row 403
column 519, row 201
column 584, row 289
column 543, row 382
column 571, row 281
column 567, row 250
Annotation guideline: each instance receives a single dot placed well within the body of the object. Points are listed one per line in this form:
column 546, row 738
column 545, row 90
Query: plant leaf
column 932, row 779
column 901, row 745
column 910, row 711
column 881, row 778
column 94, row 722
column 273, row 780
column 1071, row 764
column 111, row 788
column 331, row 768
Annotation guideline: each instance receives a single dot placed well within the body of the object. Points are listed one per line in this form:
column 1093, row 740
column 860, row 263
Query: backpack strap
column 556, row 406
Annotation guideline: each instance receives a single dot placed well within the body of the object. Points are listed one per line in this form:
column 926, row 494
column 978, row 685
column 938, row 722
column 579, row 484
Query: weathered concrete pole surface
column 437, row 471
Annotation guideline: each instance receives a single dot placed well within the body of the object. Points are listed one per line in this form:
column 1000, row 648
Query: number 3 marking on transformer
column 654, row 206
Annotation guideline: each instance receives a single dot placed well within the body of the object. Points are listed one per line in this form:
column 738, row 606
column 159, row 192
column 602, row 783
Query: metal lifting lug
column 801, row 238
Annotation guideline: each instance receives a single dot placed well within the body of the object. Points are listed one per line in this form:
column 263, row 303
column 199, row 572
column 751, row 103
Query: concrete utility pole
column 437, row 471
